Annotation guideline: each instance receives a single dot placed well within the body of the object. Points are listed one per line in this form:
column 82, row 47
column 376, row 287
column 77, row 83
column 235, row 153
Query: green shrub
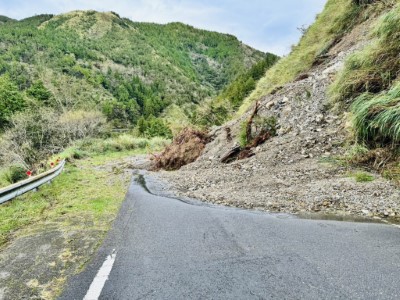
column 355, row 151
column 260, row 125
column 263, row 124
column 15, row 174
column 78, row 154
column 152, row 127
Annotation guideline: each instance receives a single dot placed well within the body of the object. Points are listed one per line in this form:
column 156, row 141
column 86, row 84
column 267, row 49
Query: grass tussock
column 376, row 118
column 362, row 176
column 369, row 84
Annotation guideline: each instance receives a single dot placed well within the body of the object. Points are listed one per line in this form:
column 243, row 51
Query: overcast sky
column 268, row 25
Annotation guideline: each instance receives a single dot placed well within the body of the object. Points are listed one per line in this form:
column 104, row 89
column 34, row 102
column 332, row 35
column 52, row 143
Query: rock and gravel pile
column 294, row 171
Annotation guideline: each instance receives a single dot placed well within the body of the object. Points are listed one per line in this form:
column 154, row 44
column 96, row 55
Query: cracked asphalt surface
column 170, row 249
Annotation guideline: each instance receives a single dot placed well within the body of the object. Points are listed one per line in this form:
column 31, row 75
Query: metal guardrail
column 19, row 188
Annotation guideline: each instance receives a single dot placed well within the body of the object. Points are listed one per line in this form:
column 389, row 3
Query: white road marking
column 102, row 275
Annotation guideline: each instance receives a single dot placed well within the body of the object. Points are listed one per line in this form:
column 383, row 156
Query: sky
column 267, row 25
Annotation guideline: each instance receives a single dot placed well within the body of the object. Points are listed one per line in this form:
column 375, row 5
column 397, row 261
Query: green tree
column 141, row 125
column 40, row 92
column 153, row 127
column 11, row 100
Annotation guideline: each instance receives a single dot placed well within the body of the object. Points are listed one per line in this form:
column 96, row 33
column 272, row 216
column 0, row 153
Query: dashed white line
column 101, row 277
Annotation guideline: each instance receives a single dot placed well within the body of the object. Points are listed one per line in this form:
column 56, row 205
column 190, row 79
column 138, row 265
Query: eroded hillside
column 311, row 159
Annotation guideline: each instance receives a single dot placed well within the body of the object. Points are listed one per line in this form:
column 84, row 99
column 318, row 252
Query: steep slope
column 306, row 164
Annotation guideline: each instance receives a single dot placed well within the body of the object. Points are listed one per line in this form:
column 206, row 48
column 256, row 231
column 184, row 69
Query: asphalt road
column 168, row 249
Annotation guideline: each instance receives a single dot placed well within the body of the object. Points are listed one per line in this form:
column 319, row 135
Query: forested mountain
column 85, row 60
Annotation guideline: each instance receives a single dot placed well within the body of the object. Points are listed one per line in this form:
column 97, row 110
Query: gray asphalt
column 169, row 249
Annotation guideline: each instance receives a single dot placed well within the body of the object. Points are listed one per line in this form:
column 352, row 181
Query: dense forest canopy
column 91, row 60
column 97, row 69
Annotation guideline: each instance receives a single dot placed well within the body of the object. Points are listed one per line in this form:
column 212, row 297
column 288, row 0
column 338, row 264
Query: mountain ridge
column 124, row 71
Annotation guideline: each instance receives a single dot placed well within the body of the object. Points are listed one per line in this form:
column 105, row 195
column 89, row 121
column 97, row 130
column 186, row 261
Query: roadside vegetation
column 78, row 184
column 88, row 148
column 78, row 207
column 369, row 86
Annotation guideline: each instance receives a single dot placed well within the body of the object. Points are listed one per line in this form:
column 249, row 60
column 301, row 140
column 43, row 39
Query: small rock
column 270, row 104
column 287, row 111
column 319, row 118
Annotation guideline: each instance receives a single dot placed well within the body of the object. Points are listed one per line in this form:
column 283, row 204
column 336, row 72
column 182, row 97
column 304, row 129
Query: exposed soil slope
column 295, row 171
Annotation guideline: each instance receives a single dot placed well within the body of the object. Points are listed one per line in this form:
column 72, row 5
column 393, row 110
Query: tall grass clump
column 376, row 118
column 373, row 69
column 338, row 17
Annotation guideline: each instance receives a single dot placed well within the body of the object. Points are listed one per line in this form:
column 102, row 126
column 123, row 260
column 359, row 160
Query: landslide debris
column 184, row 149
column 306, row 166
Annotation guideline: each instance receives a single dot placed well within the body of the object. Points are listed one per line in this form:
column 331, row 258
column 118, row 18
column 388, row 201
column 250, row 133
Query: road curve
column 168, row 249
